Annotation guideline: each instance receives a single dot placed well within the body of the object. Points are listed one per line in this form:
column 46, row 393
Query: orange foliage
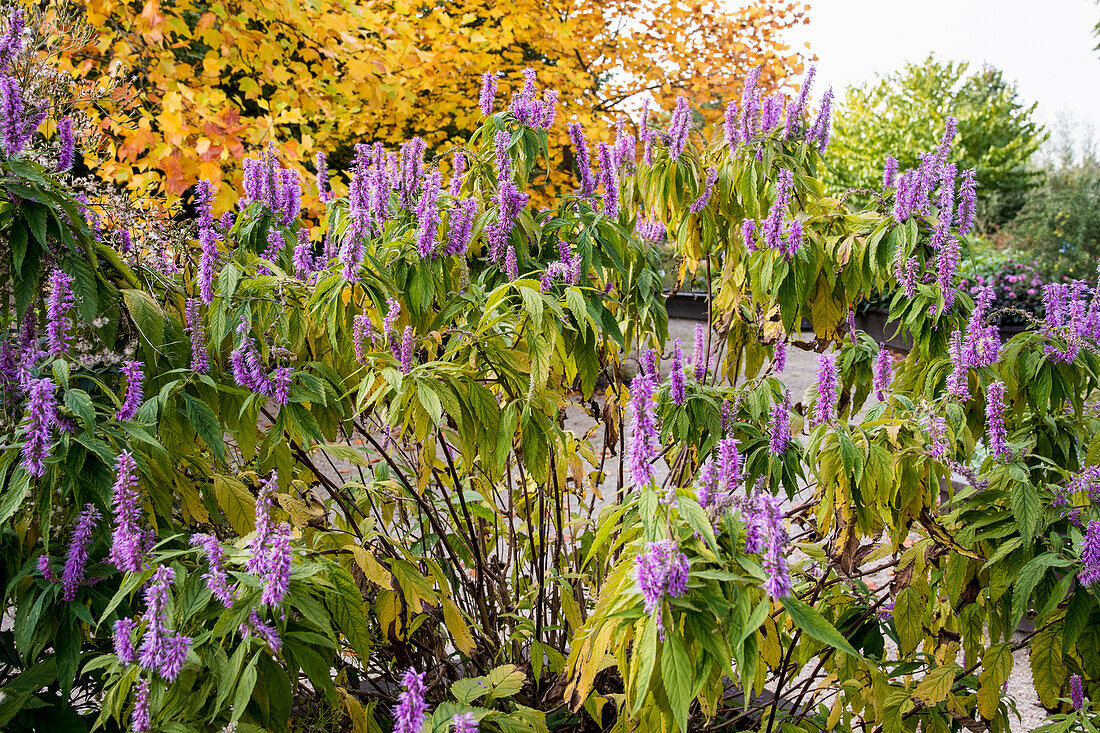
column 218, row 79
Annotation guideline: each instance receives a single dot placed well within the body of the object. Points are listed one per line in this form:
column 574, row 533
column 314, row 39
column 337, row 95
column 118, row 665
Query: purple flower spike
column 583, row 163
column 324, row 193
column 427, row 216
column 216, row 578
column 57, row 313
column 995, row 419
column 679, row 128
column 609, row 178
column 1090, row 555
column 704, row 198
column 123, row 641
column 132, row 370
column 127, row 539
column 139, row 718
column 408, row 344
column 72, row 577
column 781, row 426
column 676, row 375
column 488, row 93
column 880, row 373
column 644, row 440
column 38, row 425
column 779, row 357
column 411, row 709
column 1076, row 692
column 889, row 172
column 464, row 723
column 661, row 570
column 200, row 358
column 698, row 353
column 826, row 391
column 67, row 153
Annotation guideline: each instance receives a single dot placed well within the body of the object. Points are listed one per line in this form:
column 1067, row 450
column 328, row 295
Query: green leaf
column 645, row 656
column 237, row 503
column 18, row 242
column 147, row 315
column 936, row 685
column 15, row 495
column 345, row 602
column 80, row 402
column 206, row 424
column 1029, row 577
column 697, row 519
column 814, row 624
column 243, row 692
column 1026, row 508
column 676, row 677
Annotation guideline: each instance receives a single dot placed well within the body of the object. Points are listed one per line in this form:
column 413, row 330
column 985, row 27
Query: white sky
column 1046, row 46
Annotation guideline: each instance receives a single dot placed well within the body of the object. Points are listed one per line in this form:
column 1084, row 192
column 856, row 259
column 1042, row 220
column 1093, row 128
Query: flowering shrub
column 293, row 467
column 1017, row 286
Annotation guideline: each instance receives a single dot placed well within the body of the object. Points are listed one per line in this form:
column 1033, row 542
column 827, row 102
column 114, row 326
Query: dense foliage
column 899, row 115
column 278, row 473
column 217, row 78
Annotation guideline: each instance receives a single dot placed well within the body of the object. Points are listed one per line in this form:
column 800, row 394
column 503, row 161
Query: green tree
column 1060, row 221
column 902, row 114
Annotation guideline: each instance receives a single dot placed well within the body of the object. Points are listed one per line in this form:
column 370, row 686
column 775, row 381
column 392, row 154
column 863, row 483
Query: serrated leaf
column 236, row 502
column 206, row 424
column 816, row 626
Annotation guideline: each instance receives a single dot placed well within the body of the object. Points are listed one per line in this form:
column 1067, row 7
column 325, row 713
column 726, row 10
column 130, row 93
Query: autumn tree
column 219, row 78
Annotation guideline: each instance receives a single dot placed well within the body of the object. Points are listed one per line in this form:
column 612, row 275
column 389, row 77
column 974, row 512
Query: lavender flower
column 458, row 167
column 698, row 353
column 730, row 127
column 644, row 442
column 13, row 127
column 38, row 423
column 488, row 96
column 983, row 342
column 781, row 426
column 464, row 723
column 880, row 373
column 798, row 109
column 511, row 267
column 819, row 133
column 324, row 193
column 361, row 331
column 388, row 321
column 750, row 104
column 303, row 255
column 127, row 539
column 957, row 379
column 57, row 312
column 139, row 718
column 412, row 165
column 162, row 651
column 123, row 641
column 773, row 224
column 652, row 230
column 216, row 578
column 826, row 390
column 408, row 342
column 676, row 375
column 994, row 413
column 67, row 153
column 276, row 579
column 748, row 230
column 11, row 44
column 45, row 570
column 936, row 427
column 411, row 709
column 257, row 627
column 661, row 570
column 580, row 156
column 968, row 197
column 765, row 534
column 1090, row 555
column 1076, row 692
column 889, row 172
column 779, row 357
column 704, row 198
column 130, row 405
column 263, row 528
column 609, row 178
column 208, row 240
column 427, row 216
column 679, row 127
column 200, row 359
column 76, row 561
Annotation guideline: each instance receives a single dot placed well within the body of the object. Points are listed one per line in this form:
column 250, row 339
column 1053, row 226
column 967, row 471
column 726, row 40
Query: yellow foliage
column 218, row 79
